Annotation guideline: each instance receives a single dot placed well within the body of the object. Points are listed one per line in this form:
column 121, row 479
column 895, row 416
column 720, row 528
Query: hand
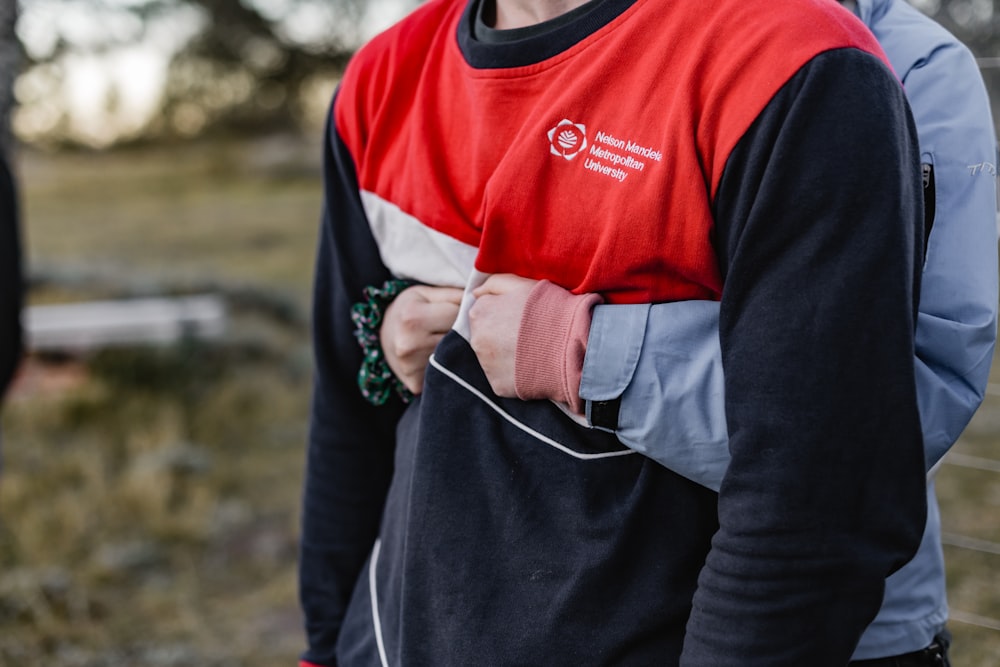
column 494, row 320
column 413, row 325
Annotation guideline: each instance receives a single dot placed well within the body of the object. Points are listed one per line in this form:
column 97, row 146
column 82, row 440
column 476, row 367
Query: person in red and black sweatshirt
column 11, row 279
column 756, row 153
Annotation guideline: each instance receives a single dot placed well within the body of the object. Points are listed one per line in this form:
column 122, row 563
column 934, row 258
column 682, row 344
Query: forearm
column 824, row 496
column 351, row 441
column 664, row 364
column 672, row 400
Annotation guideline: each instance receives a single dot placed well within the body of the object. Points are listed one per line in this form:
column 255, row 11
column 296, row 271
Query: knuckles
column 409, row 316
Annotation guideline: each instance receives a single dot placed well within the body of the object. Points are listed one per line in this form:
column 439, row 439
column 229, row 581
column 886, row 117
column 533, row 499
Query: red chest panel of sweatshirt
column 595, row 169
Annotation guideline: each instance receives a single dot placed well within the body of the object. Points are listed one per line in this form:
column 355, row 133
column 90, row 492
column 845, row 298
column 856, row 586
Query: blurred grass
column 148, row 506
column 148, row 511
column 243, row 212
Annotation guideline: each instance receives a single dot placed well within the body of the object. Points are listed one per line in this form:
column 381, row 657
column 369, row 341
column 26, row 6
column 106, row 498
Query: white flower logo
column 567, row 139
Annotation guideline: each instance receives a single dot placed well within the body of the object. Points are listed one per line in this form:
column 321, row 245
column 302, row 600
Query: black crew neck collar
column 484, row 32
column 526, row 46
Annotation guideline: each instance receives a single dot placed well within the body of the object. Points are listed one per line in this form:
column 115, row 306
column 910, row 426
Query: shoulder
column 392, row 61
column 783, row 30
column 911, row 39
column 940, row 76
column 756, row 49
column 409, row 36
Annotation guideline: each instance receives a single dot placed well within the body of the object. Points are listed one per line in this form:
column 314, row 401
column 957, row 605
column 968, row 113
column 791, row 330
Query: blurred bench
column 80, row 327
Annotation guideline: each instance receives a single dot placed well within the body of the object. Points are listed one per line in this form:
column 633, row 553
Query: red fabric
column 551, row 344
column 491, row 137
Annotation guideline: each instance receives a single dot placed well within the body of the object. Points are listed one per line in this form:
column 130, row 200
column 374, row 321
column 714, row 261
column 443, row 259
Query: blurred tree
column 255, row 64
column 234, row 65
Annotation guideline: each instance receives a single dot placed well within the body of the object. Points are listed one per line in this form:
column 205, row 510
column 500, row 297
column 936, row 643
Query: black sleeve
column 11, row 279
column 819, row 220
column 351, row 442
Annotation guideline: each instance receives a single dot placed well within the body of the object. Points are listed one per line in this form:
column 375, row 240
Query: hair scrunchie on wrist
column 376, row 380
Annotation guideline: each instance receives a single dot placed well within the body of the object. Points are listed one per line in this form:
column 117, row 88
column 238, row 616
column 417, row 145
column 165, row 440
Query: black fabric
column 935, row 655
column 484, row 31
column 821, row 270
column 930, row 201
column 604, row 414
column 535, row 48
column 11, row 278
column 500, row 548
column 346, row 467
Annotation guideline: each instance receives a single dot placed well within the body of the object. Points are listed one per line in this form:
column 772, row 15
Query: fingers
column 413, row 381
column 503, row 283
column 413, row 325
column 416, row 321
column 494, row 320
column 437, row 294
column 440, row 317
column 421, row 318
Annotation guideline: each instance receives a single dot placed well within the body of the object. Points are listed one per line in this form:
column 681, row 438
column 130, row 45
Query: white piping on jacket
column 524, row 427
column 372, row 590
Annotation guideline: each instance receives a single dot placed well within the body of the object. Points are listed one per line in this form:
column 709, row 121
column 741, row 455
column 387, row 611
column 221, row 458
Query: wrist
column 551, row 344
column 376, row 380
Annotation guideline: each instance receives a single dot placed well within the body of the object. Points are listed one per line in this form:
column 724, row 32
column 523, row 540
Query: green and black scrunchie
column 375, row 379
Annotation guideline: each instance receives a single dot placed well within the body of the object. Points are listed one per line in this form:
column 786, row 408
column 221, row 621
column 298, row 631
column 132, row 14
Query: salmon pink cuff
column 551, row 344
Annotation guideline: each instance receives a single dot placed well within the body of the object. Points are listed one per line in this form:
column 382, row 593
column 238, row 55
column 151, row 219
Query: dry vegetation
column 148, row 509
column 149, row 501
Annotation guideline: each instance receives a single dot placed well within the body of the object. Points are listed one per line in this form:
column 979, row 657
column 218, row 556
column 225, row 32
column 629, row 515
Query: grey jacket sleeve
column 672, row 400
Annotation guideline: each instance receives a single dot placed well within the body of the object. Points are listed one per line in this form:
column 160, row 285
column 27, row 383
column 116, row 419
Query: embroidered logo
column 606, row 154
column 567, row 139
column 982, row 167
